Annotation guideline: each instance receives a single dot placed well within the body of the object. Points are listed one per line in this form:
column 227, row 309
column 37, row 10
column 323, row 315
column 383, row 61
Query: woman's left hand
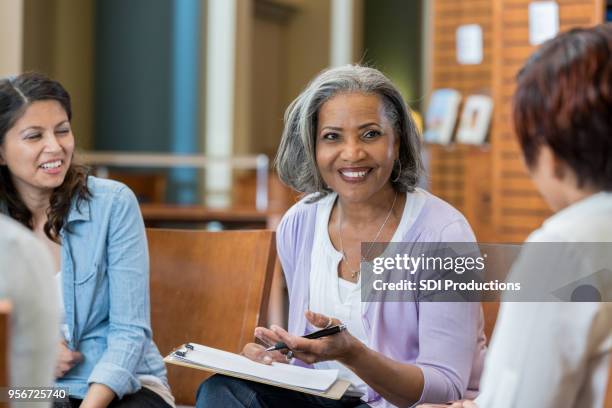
column 335, row 347
column 66, row 360
column 464, row 404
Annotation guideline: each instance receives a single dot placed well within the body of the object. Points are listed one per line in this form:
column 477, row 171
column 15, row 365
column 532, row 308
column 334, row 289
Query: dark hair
column 296, row 158
column 16, row 94
column 564, row 100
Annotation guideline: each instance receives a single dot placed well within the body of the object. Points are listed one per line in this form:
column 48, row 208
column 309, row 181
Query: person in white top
column 26, row 281
column 556, row 354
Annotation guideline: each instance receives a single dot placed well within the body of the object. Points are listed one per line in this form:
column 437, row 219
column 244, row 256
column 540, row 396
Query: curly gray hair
column 296, row 158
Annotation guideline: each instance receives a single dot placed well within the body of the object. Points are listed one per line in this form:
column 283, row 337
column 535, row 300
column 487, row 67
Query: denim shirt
column 105, row 267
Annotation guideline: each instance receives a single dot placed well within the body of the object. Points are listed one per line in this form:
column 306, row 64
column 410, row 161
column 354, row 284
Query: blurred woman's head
column 349, row 131
column 563, row 114
column 36, row 149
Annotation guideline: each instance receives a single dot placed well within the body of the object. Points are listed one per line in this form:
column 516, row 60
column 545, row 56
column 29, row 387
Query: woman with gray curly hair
column 351, row 147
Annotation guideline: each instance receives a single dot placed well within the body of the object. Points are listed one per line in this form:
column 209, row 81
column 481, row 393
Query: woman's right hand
column 66, row 360
column 258, row 353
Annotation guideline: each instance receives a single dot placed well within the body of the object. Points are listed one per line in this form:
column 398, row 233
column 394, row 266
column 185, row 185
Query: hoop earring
column 399, row 173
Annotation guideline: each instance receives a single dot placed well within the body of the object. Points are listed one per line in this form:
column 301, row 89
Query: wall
column 392, row 43
column 490, row 184
column 461, row 174
column 243, row 113
column 58, row 41
column 11, row 13
column 269, row 77
column 308, row 45
column 290, row 45
column 133, row 83
column 518, row 208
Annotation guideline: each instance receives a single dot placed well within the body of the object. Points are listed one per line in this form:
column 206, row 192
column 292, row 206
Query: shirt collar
column 80, row 212
column 590, row 205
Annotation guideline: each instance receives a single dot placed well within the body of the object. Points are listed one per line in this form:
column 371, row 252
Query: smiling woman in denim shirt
column 95, row 231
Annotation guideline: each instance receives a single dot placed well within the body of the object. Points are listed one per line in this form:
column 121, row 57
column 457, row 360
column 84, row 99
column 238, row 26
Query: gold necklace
column 355, row 274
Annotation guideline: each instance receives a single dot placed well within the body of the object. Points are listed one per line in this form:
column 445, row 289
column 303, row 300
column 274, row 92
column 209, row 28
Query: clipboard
column 180, row 357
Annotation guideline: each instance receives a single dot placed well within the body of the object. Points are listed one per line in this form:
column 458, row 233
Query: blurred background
column 183, row 100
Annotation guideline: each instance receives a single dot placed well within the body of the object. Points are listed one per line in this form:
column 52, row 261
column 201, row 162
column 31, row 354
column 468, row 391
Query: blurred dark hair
column 16, row 94
column 564, row 100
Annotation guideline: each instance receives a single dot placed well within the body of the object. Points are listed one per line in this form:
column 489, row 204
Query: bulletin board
column 489, row 184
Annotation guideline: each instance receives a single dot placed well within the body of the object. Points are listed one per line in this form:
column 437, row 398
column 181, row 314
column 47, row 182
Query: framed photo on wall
column 475, row 120
column 441, row 116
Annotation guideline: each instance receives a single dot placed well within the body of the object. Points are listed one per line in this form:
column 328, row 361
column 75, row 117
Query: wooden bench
column 210, row 288
column 149, row 187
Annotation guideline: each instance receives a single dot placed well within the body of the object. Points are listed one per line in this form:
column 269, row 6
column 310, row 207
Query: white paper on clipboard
column 286, row 374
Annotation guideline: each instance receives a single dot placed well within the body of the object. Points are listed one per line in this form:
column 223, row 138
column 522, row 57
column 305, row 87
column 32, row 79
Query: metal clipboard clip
column 183, row 354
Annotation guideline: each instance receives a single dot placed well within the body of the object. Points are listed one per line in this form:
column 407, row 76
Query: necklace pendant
column 364, row 257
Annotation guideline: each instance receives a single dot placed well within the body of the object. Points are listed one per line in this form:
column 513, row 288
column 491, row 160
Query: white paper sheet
column 469, row 44
column 287, row 374
column 543, row 21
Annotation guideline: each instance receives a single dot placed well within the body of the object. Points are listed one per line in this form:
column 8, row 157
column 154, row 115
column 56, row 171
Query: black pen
column 314, row 335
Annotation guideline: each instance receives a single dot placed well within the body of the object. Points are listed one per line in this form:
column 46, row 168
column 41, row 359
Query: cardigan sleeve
column 448, row 333
column 292, row 235
column 285, row 246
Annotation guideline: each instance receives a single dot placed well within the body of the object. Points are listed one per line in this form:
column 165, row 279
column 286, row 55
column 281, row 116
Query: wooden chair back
column 489, row 310
column 280, row 197
column 210, row 288
column 148, row 187
column 5, row 314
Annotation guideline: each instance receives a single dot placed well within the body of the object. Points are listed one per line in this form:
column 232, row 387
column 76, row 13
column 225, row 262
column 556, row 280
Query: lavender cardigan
column 445, row 340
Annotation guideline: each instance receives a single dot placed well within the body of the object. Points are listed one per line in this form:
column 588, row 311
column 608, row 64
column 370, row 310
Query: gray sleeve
column 28, row 283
